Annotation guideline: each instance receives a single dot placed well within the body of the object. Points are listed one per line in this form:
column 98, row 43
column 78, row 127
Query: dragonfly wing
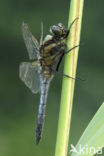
column 28, row 73
column 41, row 39
column 31, row 42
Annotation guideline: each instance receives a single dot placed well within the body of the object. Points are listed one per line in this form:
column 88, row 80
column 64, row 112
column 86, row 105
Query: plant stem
column 76, row 9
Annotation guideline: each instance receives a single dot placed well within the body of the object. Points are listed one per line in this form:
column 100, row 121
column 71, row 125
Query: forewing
column 41, row 39
column 28, row 73
column 31, row 42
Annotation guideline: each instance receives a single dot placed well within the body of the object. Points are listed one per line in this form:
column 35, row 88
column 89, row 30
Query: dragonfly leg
column 72, row 49
column 62, row 74
column 65, row 52
column 71, row 26
column 57, row 67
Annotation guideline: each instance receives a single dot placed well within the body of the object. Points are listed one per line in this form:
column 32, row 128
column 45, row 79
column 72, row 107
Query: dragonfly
column 45, row 58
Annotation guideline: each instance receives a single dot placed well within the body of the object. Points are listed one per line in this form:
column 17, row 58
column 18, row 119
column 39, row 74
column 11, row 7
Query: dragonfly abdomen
column 43, row 99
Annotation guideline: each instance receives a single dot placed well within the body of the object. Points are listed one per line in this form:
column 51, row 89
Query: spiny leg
column 72, row 49
column 62, row 74
column 71, row 26
column 57, row 67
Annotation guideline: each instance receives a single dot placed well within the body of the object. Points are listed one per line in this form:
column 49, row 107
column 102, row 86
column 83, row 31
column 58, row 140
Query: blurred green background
column 18, row 106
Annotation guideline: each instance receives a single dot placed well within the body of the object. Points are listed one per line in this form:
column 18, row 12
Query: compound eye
column 55, row 29
column 58, row 30
column 60, row 25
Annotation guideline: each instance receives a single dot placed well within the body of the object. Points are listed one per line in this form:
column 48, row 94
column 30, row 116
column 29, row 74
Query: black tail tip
column 38, row 133
column 38, row 140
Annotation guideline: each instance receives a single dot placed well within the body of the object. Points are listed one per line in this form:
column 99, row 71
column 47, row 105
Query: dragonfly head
column 59, row 30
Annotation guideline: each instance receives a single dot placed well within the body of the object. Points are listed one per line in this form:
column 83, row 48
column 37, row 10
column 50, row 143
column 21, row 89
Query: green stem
column 76, row 10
